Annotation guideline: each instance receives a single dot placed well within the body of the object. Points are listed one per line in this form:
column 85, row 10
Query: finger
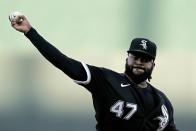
column 13, row 23
column 22, row 17
column 16, row 26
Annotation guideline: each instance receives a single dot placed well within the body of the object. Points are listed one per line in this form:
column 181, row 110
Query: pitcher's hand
column 21, row 24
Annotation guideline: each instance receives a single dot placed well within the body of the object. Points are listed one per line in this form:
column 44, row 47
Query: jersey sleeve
column 95, row 78
column 74, row 69
column 83, row 74
column 172, row 125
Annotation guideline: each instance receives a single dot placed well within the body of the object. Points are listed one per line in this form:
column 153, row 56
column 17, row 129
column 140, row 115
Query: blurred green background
column 35, row 96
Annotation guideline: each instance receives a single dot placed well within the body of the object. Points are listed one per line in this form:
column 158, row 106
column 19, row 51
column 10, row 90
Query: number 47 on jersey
column 117, row 108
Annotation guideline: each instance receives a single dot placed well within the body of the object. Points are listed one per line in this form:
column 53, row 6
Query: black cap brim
column 142, row 52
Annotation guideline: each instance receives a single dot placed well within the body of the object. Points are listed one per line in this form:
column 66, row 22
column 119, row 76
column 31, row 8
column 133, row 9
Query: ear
column 153, row 64
column 126, row 61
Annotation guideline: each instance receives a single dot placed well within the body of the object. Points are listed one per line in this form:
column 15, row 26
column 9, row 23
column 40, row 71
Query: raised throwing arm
column 74, row 69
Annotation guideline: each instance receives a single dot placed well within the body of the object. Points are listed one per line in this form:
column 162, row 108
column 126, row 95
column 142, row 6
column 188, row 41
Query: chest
column 127, row 101
column 127, row 106
column 119, row 101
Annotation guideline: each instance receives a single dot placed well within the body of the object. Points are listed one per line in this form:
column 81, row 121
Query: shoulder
column 109, row 71
column 163, row 97
column 103, row 71
column 159, row 92
column 102, row 78
column 101, row 74
column 105, row 75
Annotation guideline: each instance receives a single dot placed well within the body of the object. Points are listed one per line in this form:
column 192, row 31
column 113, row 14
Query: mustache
column 139, row 67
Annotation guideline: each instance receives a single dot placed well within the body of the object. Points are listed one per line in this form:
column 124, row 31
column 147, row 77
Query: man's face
column 139, row 67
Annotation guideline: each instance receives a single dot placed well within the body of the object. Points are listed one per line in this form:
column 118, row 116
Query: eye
column 133, row 57
column 146, row 59
column 142, row 58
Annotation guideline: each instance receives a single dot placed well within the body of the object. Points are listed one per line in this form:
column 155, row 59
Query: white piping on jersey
column 88, row 75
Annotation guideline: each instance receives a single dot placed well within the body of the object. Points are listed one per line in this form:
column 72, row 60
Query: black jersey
column 119, row 104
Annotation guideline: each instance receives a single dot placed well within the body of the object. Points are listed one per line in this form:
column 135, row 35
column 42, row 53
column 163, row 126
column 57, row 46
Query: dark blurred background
column 35, row 96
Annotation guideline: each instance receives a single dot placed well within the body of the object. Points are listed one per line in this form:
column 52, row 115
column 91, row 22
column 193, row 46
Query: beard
column 138, row 78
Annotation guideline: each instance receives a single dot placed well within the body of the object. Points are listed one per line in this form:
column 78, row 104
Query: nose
column 138, row 61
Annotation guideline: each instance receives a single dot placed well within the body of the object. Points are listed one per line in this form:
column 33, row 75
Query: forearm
column 72, row 68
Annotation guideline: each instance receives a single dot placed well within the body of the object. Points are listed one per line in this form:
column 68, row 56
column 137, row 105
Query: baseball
column 16, row 16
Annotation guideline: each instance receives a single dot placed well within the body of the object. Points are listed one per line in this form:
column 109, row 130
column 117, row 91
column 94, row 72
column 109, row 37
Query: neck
column 141, row 84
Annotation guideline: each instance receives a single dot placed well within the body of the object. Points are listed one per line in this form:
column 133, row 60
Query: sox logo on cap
column 143, row 44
